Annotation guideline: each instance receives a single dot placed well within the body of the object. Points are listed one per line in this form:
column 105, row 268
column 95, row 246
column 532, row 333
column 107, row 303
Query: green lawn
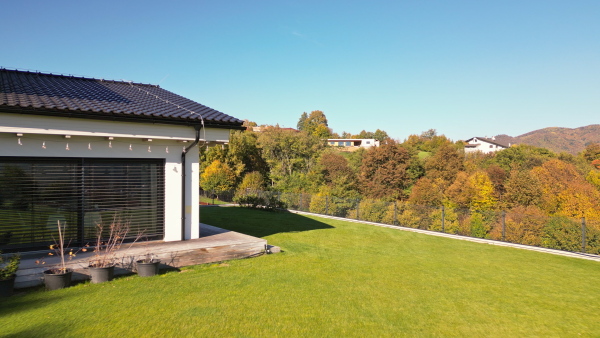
column 333, row 279
column 204, row 199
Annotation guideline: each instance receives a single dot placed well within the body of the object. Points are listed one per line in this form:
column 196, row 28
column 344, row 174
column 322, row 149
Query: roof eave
column 119, row 117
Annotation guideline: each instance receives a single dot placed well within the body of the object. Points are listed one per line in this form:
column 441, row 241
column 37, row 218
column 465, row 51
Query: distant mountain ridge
column 570, row 140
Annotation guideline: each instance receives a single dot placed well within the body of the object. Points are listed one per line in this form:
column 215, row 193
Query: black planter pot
column 55, row 281
column 148, row 269
column 101, row 275
column 7, row 286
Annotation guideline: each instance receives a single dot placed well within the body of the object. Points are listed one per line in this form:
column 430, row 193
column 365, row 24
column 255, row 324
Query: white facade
column 353, row 143
column 41, row 136
column 483, row 145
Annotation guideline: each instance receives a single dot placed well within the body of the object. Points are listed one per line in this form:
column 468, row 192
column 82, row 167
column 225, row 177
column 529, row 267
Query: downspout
column 183, row 185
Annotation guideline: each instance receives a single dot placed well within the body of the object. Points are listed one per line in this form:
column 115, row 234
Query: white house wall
column 50, row 125
column 46, row 143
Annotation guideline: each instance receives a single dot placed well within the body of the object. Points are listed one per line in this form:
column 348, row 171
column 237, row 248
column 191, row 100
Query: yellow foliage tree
column 483, row 191
column 566, row 192
column 217, row 177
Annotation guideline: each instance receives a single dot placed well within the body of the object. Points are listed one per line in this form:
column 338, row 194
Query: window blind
column 36, row 194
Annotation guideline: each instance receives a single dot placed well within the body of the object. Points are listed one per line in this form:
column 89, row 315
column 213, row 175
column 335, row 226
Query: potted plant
column 8, row 273
column 58, row 277
column 102, row 265
column 148, row 266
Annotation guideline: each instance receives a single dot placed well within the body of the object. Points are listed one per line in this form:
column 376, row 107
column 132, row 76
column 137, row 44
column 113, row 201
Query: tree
column 483, row 191
column 565, row 191
column 252, row 181
column 365, row 134
column 217, row 177
column 498, row 176
column 444, row 164
column 380, row 135
column 384, row 173
column 591, row 152
column 460, row 192
column 244, row 155
column 426, row 192
column 522, row 189
column 302, row 121
column 429, row 134
column 291, row 156
column 314, row 124
column 335, row 166
column 523, row 225
column 249, row 124
column 522, row 157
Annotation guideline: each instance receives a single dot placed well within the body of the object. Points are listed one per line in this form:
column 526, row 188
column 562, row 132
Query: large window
column 35, row 194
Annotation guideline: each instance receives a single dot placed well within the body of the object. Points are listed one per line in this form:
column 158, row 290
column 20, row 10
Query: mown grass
column 216, row 201
column 334, row 278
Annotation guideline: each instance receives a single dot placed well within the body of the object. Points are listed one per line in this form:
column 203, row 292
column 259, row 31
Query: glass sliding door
column 36, row 194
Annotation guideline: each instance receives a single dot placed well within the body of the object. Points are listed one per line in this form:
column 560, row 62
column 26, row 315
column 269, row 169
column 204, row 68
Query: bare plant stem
column 61, row 242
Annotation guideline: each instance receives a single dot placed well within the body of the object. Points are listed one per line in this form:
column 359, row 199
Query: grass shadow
column 20, row 301
column 258, row 223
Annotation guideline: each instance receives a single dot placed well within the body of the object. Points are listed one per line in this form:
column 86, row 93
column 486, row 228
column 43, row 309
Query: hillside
column 570, row 140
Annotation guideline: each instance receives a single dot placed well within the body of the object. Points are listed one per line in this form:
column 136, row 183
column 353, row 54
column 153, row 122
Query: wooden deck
column 215, row 245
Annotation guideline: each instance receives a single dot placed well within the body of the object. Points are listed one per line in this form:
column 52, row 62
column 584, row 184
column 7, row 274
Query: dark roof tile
column 52, row 94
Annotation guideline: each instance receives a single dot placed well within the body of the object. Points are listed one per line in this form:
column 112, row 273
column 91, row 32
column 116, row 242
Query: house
column 484, row 145
column 83, row 151
column 353, row 144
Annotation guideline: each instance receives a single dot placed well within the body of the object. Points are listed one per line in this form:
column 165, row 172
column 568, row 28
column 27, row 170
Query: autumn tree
column 522, row 189
column 522, row 224
column 591, row 152
column 460, row 192
column 482, row 191
column 217, row 177
column 384, row 173
column 498, row 176
column 427, row 192
column 252, row 181
column 565, row 191
column 338, row 175
column 444, row 164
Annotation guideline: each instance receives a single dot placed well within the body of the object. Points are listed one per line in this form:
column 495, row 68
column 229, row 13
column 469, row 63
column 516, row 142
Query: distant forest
column 426, row 169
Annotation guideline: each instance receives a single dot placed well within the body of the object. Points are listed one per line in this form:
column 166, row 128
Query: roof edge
column 123, row 118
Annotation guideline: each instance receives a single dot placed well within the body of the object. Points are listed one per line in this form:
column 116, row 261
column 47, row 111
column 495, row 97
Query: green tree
column 302, row 121
column 244, row 155
column 291, row 155
column 522, row 157
column 315, row 124
column 380, row 135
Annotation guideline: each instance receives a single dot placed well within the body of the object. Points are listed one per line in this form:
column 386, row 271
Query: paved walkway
column 463, row 238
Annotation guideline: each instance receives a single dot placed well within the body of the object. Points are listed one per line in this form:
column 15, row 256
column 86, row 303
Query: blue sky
column 464, row 68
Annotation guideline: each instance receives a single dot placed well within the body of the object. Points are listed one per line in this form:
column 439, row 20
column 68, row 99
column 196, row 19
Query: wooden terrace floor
column 214, row 245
